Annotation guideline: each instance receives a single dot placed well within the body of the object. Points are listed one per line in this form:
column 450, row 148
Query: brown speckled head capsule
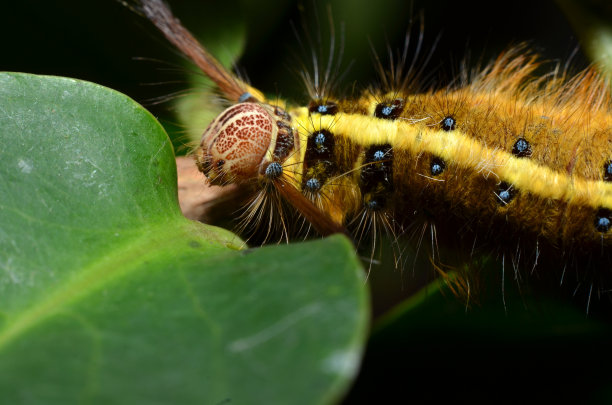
column 235, row 144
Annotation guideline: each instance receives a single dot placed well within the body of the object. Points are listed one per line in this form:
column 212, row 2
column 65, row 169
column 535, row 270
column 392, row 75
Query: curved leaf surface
column 108, row 295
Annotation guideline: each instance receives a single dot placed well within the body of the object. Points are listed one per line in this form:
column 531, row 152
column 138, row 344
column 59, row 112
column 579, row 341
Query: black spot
column 274, row 170
column 437, row 166
column 521, row 148
column 377, row 168
column 220, row 163
column 376, row 204
column 313, row 185
column 319, row 159
column 378, row 153
column 389, row 110
column 608, row 171
column 376, row 176
column 320, row 139
column 323, row 107
column 448, row 123
column 320, row 145
column 603, row 220
column 505, row 193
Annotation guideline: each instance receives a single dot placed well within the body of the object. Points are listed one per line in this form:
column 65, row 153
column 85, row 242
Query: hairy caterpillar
column 499, row 162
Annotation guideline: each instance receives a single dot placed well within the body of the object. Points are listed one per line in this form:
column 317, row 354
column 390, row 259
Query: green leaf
column 108, row 295
column 592, row 21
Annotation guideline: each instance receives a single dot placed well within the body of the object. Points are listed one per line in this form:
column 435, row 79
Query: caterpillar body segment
column 475, row 165
column 502, row 162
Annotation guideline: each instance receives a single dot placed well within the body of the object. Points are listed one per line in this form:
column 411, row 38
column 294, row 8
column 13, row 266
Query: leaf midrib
column 153, row 242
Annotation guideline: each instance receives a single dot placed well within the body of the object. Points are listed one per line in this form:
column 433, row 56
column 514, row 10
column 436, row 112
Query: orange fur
column 504, row 158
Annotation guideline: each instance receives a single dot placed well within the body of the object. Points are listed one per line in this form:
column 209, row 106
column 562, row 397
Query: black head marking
column 521, row 148
column 323, row 107
column 274, row 170
column 607, row 171
column 505, row 193
column 437, row 166
column 603, row 220
column 448, row 123
column 389, row 110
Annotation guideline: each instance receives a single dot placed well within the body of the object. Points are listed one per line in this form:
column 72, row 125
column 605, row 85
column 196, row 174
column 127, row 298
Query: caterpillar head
column 240, row 143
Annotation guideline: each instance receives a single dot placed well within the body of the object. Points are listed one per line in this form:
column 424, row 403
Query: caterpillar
column 500, row 161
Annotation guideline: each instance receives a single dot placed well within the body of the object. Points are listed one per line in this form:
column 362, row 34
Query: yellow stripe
column 459, row 148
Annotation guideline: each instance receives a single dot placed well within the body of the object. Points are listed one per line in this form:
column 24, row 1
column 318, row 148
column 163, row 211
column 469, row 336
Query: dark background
column 97, row 40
